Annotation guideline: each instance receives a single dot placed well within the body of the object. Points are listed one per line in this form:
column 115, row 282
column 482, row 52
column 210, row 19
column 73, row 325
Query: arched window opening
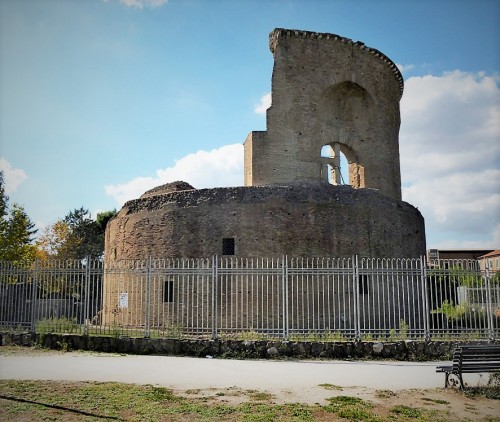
column 334, row 165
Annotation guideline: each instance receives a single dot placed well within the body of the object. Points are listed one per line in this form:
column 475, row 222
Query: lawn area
column 92, row 401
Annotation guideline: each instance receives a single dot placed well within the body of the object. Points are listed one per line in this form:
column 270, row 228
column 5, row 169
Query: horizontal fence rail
column 317, row 299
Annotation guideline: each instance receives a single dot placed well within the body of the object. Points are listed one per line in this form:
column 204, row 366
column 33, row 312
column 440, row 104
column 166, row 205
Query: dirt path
column 309, row 382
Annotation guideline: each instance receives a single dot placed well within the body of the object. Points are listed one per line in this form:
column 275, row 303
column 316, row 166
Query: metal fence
column 288, row 298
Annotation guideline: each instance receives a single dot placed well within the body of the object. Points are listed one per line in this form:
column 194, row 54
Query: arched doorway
column 334, row 165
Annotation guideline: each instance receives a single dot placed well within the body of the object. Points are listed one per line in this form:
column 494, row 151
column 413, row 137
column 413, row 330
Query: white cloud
column 264, row 104
column 140, row 4
column 203, row 169
column 12, row 177
column 450, row 159
column 405, row 67
column 450, row 155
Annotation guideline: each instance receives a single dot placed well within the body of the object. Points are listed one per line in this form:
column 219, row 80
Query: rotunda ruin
column 330, row 97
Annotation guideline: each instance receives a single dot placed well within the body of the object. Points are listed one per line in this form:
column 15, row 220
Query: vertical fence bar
column 284, row 276
column 215, row 302
column 357, row 316
column 33, row 297
column 147, row 331
column 425, row 299
column 86, row 303
column 489, row 304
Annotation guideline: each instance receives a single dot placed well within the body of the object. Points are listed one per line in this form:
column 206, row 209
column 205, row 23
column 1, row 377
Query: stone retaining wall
column 401, row 350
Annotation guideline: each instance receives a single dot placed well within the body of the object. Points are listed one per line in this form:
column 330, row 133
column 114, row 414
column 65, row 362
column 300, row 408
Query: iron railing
column 227, row 297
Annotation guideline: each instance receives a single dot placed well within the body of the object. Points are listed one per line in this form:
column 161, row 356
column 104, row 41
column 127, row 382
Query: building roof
column 496, row 252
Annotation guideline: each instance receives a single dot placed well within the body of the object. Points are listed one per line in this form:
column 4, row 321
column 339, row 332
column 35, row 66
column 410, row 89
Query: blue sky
column 102, row 100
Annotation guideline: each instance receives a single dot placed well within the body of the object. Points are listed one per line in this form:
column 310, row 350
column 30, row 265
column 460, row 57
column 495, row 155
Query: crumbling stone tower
column 330, row 96
column 328, row 91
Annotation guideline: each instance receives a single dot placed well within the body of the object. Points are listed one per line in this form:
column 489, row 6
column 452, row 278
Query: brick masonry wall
column 327, row 89
column 309, row 220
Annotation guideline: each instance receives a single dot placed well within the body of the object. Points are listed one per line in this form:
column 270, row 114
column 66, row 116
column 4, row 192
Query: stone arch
column 346, row 113
column 347, row 105
column 332, row 157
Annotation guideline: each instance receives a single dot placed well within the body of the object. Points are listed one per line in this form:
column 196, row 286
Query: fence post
column 489, row 304
column 357, row 311
column 33, row 297
column 425, row 299
column 215, row 310
column 284, row 276
column 87, row 298
column 147, row 332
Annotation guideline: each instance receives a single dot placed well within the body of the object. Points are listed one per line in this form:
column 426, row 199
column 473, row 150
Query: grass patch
column 50, row 400
column 259, row 395
column 489, row 391
column 351, row 408
column 384, row 394
column 437, row 401
column 409, row 412
column 45, row 400
column 331, row 387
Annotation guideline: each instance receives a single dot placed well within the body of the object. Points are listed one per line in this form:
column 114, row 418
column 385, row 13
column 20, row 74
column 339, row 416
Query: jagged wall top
column 281, row 32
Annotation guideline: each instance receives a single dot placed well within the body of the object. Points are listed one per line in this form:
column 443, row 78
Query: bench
column 471, row 359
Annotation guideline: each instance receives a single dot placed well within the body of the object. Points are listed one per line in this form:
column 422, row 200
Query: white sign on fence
column 123, row 300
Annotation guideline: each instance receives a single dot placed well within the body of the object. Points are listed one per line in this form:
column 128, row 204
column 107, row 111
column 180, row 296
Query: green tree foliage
column 16, row 230
column 76, row 236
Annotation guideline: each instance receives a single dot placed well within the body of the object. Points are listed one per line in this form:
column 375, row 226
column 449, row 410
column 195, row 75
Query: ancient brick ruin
column 328, row 94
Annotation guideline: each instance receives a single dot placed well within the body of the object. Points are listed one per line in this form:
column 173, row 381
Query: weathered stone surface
column 402, row 350
column 377, row 348
column 328, row 89
column 315, row 219
column 273, row 352
column 178, row 186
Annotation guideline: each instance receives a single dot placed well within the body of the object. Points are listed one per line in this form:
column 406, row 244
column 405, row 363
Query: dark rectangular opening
column 168, row 291
column 363, row 284
column 228, row 246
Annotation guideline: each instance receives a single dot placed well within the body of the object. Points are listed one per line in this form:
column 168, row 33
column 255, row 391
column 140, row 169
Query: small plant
column 403, row 329
column 162, row 394
column 331, row 387
column 56, row 325
column 409, row 412
column 64, row 346
column 116, row 330
column 494, row 380
column 327, row 336
column 250, row 335
column 259, row 395
column 384, row 394
column 174, row 331
column 402, row 334
column 351, row 408
column 450, row 310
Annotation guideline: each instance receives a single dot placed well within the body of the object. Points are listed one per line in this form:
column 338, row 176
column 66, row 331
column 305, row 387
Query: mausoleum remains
column 328, row 91
column 333, row 101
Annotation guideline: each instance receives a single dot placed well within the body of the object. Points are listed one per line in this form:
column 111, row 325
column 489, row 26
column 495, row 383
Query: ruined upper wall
column 328, row 90
column 278, row 33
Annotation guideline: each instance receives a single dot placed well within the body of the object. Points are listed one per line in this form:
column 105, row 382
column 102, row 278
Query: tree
column 16, row 230
column 55, row 242
column 76, row 236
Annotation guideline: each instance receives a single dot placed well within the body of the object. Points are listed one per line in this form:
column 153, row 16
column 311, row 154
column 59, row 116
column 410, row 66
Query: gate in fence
column 289, row 298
